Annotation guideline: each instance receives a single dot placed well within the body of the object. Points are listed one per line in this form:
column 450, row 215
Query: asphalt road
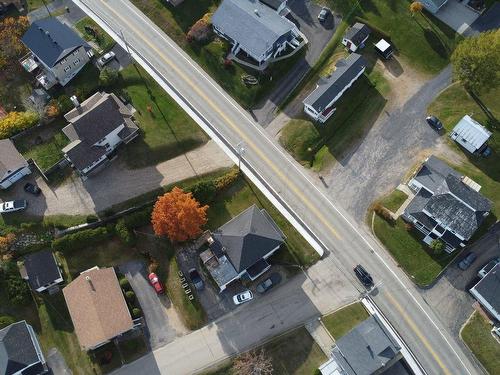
column 344, row 241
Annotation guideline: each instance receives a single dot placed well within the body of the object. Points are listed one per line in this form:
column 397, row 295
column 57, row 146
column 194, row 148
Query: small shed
column 356, row 36
column 384, row 49
column 471, row 135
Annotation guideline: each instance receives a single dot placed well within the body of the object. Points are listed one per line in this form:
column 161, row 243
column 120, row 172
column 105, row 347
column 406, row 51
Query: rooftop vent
column 256, row 11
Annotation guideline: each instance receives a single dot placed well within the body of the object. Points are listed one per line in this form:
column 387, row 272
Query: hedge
column 124, row 233
column 82, row 239
column 6, row 320
column 138, row 218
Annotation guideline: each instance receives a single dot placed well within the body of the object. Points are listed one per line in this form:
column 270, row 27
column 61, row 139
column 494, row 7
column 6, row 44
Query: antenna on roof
column 90, row 282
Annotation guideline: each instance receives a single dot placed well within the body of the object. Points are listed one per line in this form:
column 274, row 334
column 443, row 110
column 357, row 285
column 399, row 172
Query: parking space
column 121, row 60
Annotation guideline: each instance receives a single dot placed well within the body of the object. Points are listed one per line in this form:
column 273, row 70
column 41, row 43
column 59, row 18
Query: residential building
column 13, row 166
column 447, row 205
column 240, row 248
column 97, row 307
column 20, row 352
column 56, row 50
column 356, row 36
column 256, row 32
column 471, row 135
column 42, row 271
column 96, row 128
column 320, row 104
column 369, row 348
column 278, row 5
column 486, row 291
column 433, row 6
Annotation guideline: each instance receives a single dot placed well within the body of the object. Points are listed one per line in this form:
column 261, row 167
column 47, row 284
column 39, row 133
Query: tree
column 6, row 242
column 52, row 109
column 178, row 215
column 416, row 7
column 15, row 122
column 11, row 47
column 108, row 77
column 476, row 62
column 437, row 246
column 6, row 320
column 201, row 30
column 253, row 363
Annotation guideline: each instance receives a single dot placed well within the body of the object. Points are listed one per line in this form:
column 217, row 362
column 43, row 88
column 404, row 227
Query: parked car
column 196, row 279
column 363, row 275
column 434, row 122
column 156, row 283
column 106, row 58
column 32, row 188
column 467, row 261
column 487, row 267
column 242, row 297
column 13, row 206
column 486, row 152
column 323, row 14
column 265, row 286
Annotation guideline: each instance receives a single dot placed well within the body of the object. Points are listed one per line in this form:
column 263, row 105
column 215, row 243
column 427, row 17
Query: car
column 196, row 279
column 363, row 275
column 323, row 14
column 242, row 297
column 106, row 58
column 12, row 206
column 467, row 261
column 156, row 283
column 264, row 286
column 32, row 188
column 487, row 267
column 434, row 122
column 486, row 152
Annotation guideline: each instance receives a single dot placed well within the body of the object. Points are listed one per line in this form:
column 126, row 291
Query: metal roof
column 472, row 131
column 486, row 291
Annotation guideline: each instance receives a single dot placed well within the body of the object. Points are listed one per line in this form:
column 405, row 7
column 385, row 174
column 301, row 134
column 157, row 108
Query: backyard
column 342, row 321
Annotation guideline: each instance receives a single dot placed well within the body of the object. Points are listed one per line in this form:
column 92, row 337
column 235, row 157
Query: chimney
column 256, row 11
column 75, row 101
column 90, row 282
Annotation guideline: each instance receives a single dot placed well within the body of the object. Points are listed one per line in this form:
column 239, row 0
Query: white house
column 13, row 166
column 471, row 135
column 320, row 104
column 56, row 49
column 42, row 271
column 96, row 128
column 356, row 36
column 486, row 291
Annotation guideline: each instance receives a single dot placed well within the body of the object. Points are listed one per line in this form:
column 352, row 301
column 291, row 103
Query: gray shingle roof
column 366, row 348
column 488, row 288
column 357, row 33
column 329, row 88
column 255, row 26
column 433, row 172
column 51, row 40
column 10, row 159
column 17, row 350
column 41, row 268
column 275, row 4
column 248, row 237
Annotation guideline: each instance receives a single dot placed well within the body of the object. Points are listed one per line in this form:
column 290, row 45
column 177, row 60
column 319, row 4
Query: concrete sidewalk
column 320, row 334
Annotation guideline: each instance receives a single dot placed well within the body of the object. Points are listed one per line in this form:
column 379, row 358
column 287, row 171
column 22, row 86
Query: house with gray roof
column 320, row 104
column 471, row 135
column 256, row 32
column 96, row 128
column 433, row 6
column 356, row 36
column 446, row 205
column 13, row 166
column 240, row 248
column 57, row 52
column 486, row 292
column 42, row 271
column 20, row 352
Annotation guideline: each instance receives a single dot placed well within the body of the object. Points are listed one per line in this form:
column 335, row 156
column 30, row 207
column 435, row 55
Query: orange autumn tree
column 178, row 216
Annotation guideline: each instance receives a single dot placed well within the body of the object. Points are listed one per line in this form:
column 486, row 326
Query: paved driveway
column 74, row 15
column 56, row 363
column 153, row 306
column 457, row 16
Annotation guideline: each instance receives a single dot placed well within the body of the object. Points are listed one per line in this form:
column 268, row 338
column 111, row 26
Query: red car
column 153, row 280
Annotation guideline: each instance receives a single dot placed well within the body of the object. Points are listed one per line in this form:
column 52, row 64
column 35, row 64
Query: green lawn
column 476, row 334
column 394, row 200
column 320, row 145
column 410, row 252
column 101, row 38
column 342, row 321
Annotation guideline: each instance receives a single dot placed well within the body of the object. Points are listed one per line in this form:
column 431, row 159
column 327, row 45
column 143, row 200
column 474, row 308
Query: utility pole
column 240, row 149
column 46, row 7
column 126, row 44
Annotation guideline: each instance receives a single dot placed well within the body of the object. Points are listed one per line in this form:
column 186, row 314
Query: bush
column 124, row 283
column 124, row 233
column 201, row 30
column 91, row 219
column 136, row 313
column 108, row 77
column 17, row 289
column 80, row 240
column 383, row 213
column 227, row 180
column 204, row 191
column 6, row 320
column 139, row 218
column 64, row 103
column 130, row 295
column 437, row 246
column 16, row 122
column 108, row 212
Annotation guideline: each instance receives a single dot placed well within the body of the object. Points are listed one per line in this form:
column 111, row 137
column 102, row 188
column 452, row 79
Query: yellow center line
column 235, row 128
column 415, row 329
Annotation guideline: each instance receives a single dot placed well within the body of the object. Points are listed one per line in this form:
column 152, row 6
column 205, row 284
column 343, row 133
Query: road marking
column 415, row 329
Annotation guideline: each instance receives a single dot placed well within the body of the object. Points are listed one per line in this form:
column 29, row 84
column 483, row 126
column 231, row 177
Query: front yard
column 342, row 321
column 97, row 35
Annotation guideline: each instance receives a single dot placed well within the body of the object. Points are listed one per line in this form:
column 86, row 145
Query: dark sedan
column 434, row 122
column 363, row 275
column 32, row 189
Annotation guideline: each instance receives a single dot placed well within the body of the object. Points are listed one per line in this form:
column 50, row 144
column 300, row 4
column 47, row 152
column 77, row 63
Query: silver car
column 243, row 297
column 106, row 58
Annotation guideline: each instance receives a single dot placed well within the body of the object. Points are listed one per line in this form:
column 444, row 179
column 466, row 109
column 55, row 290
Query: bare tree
column 253, row 363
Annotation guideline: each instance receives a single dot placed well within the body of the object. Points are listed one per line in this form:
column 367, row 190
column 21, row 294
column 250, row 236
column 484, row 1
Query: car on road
column 467, row 261
column 487, row 267
column 242, row 297
column 156, row 283
column 195, row 278
column 106, row 58
column 323, row 14
column 264, row 286
column 434, row 122
column 12, row 206
column 363, row 275
column 32, row 188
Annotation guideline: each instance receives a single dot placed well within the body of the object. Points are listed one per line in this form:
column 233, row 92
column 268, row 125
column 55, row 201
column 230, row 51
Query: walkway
column 321, row 335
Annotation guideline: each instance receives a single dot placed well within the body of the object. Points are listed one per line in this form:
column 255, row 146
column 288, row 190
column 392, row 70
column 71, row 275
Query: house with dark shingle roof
column 56, row 49
column 446, row 206
column 240, row 248
column 254, row 29
column 13, row 166
column 96, row 128
column 42, row 271
column 486, row 291
column 20, row 352
column 320, row 104
column 356, row 36
column 277, row 5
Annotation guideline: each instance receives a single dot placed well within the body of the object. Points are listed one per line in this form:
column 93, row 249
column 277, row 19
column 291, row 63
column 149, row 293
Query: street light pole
column 126, row 44
column 240, row 149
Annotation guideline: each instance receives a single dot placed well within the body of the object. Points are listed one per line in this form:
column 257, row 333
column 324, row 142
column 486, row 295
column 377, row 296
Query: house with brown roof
column 97, row 307
column 13, row 166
